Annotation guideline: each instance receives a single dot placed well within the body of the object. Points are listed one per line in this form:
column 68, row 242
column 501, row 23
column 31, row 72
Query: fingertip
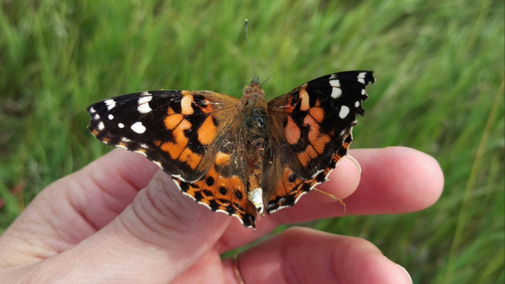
column 423, row 176
column 433, row 178
column 343, row 181
column 362, row 262
column 407, row 273
column 397, row 180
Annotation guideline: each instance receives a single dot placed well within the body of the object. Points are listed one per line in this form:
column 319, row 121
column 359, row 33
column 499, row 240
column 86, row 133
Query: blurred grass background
column 439, row 65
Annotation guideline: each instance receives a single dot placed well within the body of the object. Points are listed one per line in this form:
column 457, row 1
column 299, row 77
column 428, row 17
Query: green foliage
column 439, row 65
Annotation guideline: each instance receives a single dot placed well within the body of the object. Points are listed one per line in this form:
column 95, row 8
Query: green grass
column 439, row 65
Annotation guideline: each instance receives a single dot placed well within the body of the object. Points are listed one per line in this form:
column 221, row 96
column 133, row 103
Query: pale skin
column 122, row 220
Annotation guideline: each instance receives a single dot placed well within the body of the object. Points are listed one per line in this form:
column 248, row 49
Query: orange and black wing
column 178, row 130
column 224, row 187
column 190, row 135
column 310, row 130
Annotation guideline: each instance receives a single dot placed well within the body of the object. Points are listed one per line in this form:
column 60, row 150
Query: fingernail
column 355, row 162
column 411, row 282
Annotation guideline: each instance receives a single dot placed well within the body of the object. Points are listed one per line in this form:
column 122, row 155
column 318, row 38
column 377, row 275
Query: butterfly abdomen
column 255, row 125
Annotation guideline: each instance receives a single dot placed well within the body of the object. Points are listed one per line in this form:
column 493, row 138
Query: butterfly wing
column 224, row 187
column 310, row 130
column 191, row 135
column 178, row 130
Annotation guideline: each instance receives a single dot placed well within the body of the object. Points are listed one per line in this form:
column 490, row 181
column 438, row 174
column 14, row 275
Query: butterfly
column 239, row 156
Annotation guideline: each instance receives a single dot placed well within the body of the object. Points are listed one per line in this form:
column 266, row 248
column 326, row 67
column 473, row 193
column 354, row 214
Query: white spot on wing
column 92, row 110
column 137, row 127
column 144, row 103
column 144, row 146
column 336, row 92
column 111, row 117
column 344, row 111
column 101, row 126
column 144, row 108
column 120, row 125
column 361, row 77
column 110, row 104
column 145, row 99
column 96, row 117
column 356, row 104
column 126, row 140
column 335, row 83
column 145, row 94
column 363, row 92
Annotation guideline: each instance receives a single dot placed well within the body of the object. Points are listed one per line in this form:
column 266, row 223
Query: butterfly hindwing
column 310, row 130
column 224, row 187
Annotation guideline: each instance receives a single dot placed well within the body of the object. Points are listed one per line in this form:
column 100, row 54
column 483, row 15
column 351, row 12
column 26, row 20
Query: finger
column 394, row 180
column 307, row 256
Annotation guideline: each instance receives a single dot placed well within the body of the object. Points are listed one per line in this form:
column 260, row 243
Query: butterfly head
column 254, row 89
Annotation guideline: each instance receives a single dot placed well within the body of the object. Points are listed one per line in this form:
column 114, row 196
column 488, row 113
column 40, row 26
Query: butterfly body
column 239, row 156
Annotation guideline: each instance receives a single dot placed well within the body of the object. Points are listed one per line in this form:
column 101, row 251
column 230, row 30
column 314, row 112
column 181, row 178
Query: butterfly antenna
column 265, row 81
column 255, row 79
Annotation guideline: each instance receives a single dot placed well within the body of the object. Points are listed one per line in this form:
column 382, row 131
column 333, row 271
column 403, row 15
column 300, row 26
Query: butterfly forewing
column 178, row 130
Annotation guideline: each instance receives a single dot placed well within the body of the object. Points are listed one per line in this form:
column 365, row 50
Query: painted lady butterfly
column 230, row 154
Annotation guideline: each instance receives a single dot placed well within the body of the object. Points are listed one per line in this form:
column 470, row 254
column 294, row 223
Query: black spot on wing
column 209, row 181
column 223, row 190
column 238, row 194
column 292, row 177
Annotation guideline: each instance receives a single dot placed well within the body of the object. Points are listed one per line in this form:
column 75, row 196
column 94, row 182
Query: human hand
column 114, row 222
